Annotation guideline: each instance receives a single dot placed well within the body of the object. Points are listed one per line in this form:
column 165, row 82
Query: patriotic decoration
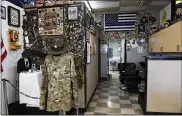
column 120, row 21
column 3, row 53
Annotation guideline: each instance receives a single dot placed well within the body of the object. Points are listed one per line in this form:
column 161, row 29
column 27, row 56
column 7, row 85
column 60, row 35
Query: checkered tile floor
column 109, row 99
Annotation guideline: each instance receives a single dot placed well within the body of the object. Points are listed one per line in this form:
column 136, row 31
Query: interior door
column 163, row 41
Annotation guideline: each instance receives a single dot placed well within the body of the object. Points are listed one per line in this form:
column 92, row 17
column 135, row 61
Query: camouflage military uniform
column 59, row 87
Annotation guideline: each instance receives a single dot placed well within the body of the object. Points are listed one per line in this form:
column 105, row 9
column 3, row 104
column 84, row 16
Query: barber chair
column 129, row 76
column 142, row 64
column 113, row 64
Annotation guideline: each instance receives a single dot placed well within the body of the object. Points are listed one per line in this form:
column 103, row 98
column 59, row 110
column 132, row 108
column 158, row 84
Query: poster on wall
column 13, row 16
column 88, row 52
column 50, row 21
column 140, row 49
column 92, row 44
column 88, row 21
column 88, row 36
column 104, row 48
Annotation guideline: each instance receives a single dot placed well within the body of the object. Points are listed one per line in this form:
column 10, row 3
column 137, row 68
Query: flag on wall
column 119, row 21
column 3, row 53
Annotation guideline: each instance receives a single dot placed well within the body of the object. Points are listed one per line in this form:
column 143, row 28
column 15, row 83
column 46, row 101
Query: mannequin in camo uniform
column 60, row 86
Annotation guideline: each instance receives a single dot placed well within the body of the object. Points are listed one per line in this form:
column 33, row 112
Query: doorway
column 116, row 55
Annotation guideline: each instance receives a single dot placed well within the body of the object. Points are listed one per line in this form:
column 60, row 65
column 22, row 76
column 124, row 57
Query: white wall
column 92, row 76
column 156, row 14
column 168, row 9
column 135, row 57
column 10, row 63
column 92, row 72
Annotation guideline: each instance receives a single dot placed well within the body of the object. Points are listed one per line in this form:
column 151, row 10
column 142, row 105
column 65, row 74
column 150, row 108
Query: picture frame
column 141, row 28
column 3, row 12
column 72, row 13
column 50, row 21
column 88, row 21
column 13, row 16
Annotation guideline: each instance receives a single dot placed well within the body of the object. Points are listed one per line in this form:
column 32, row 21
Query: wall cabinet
column 167, row 40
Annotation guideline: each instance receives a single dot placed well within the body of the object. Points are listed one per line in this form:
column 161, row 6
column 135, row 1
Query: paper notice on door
column 140, row 49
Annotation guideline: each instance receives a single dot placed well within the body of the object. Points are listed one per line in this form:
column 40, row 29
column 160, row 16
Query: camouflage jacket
column 60, row 87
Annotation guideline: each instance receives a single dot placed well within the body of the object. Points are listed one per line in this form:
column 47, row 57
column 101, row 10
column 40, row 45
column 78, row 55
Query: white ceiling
column 126, row 5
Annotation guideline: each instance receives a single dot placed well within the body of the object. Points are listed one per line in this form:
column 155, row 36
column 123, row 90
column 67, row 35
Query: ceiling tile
column 133, row 8
column 159, row 2
column 114, row 9
column 155, row 8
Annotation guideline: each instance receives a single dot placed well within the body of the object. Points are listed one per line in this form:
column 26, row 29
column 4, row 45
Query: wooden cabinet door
column 152, row 43
column 151, row 47
column 155, row 41
column 163, row 41
column 175, row 37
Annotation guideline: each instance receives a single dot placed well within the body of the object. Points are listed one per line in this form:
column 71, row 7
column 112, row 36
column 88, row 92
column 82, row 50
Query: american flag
column 119, row 21
column 3, row 53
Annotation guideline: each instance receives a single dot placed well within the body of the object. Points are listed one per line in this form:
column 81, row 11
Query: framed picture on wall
column 72, row 13
column 13, row 16
column 50, row 21
column 3, row 12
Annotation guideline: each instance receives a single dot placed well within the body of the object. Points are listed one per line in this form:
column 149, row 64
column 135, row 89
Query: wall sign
column 3, row 12
column 50, row 21
column 13, row 16
column 88, row 53
column 72, row 13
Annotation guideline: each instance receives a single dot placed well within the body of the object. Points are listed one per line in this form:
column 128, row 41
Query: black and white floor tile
column 109, row 99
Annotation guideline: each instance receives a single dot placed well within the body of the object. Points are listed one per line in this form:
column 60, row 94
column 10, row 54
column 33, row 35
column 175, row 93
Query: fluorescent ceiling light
column 103, row 4
column 178, row 1
column 87, row 5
